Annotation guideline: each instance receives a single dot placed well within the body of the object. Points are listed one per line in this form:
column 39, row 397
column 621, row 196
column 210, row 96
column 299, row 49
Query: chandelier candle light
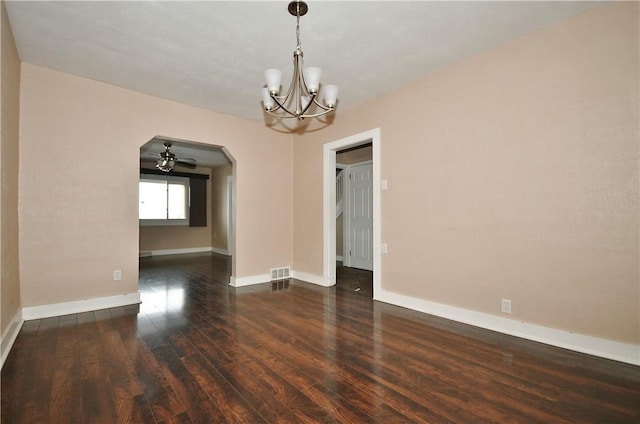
column 301, row 99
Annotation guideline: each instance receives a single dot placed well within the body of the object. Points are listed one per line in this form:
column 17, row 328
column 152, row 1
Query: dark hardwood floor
column 353, row 279
column 199, row 351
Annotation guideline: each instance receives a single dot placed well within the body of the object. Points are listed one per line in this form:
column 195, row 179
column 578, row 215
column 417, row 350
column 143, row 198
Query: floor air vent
column 280, row 273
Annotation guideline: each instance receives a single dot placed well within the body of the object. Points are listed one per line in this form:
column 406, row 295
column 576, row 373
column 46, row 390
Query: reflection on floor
column 353, row 279
column 200, row 351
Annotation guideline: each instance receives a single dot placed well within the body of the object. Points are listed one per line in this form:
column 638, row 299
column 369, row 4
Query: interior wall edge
column 10, row 335
column 220, row 251
column 249, row 280
column 311, row 278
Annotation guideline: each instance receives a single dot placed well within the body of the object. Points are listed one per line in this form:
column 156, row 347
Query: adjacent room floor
column 353, row 279
column 199, row 351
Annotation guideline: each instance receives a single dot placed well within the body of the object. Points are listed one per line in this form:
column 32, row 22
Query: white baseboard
column 220, row 251
column 250, row 280
column 311, row 278
column 78, row 306
column 266, row 278
column 163, row 252
column 339, row 258
column 9, row 336
column 617, row 351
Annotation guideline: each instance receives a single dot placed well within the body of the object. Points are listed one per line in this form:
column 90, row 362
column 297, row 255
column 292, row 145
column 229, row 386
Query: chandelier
column 301, row 99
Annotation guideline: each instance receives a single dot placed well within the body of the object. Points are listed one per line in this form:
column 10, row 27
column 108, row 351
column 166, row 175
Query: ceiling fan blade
column 181, row 162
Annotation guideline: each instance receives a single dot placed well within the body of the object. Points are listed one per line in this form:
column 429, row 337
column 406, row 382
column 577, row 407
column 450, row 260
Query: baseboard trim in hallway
column 310, row 278
column 183, row 251
column 78, row 306
column 10, row 335
column 266, row 278
column 249, row 280
column 609, row 349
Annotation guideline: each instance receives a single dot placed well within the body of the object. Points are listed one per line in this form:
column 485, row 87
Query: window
column 164, row 200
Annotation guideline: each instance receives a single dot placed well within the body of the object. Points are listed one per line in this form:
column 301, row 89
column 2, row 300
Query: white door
column 360, row 224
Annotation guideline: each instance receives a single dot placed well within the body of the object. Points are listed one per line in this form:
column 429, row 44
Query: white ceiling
column 212, row 54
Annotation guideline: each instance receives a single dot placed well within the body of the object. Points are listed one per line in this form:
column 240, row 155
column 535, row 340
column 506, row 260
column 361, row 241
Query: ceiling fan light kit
column 167, row 161
column 301, row 98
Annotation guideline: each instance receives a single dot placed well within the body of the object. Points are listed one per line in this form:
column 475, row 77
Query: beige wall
column 179, row 236
column 511, row 175
column 220, row 204
column 9, row 109
column 79, row 223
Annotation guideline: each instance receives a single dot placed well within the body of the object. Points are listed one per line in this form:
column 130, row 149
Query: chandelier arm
column 296, row 91
column 281, row 115
column 281, row 105
column 292, row 115
column 320, row 105
column 304, row 89
column 315, row 115
column 291, row 84
column 312, row 101
column 281, row 100
column 289, row 114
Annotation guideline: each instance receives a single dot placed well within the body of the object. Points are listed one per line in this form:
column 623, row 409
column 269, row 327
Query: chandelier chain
column 298, row 32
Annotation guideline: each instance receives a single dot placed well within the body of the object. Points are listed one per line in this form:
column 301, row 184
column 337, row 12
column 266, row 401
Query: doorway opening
column 354, row 219
column 186, row 200
column 361, row 242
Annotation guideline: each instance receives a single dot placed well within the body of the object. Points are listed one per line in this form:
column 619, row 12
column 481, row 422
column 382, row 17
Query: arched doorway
column 193, row 183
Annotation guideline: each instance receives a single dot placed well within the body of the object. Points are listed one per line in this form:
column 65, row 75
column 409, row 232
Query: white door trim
column 230, row 228
column 329, row 204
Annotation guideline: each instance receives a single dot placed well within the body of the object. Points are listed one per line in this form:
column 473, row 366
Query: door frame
column 344, row 168
column 230, row 227
column 329, row 204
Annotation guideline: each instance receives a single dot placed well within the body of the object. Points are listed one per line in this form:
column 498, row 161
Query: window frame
column 169, row 179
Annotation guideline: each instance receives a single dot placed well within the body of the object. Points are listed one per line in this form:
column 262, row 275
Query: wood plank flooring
column 356, row 280
column 199, row 351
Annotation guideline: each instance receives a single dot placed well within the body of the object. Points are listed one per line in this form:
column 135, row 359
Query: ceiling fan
column 168, row 161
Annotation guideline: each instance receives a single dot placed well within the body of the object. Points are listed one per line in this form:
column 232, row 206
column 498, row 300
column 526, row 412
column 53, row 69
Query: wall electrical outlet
column 384, row 248
column 505, row 306
column 117, row 275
